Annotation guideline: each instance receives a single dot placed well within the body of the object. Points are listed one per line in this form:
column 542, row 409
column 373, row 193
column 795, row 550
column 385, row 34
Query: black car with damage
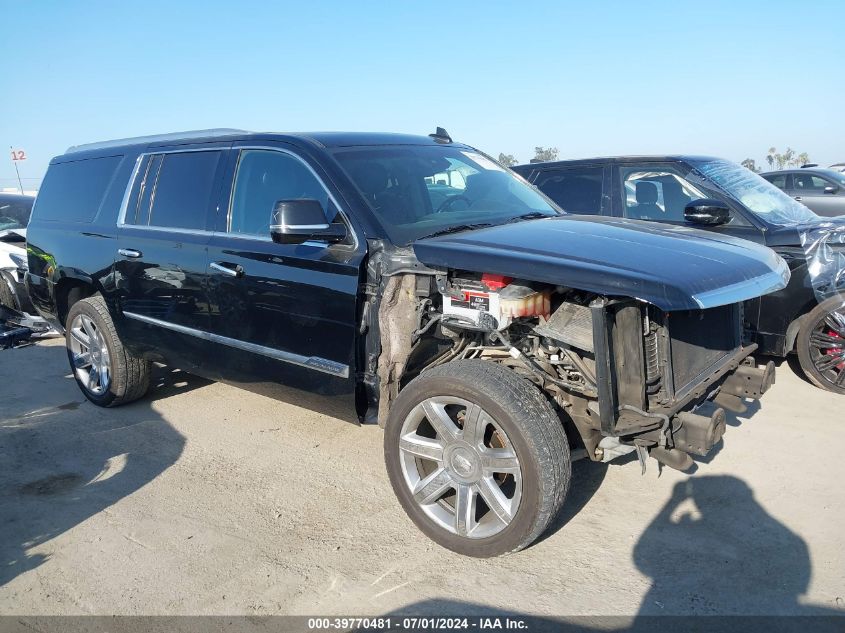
column 410, row 281
column 807, row 318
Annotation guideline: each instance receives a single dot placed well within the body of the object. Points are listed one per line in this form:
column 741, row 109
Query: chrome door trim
column 310, row 362
column 124, row 205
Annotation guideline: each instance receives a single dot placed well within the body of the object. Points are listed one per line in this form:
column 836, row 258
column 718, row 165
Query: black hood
column 672, row 267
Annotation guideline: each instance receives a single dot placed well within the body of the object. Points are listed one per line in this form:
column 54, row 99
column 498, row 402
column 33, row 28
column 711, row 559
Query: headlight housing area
column 19, row 261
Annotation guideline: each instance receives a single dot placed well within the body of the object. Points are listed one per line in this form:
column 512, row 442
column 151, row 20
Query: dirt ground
column 206, row 499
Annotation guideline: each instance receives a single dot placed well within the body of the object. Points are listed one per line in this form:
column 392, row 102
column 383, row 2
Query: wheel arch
column 68, row 291
column 795, row 325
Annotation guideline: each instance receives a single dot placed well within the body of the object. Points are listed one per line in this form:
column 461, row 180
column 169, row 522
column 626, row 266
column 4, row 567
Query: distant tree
column 787, row 159
column 749, row 163
column 543, row 154
column 508, row 160
column 770, row 157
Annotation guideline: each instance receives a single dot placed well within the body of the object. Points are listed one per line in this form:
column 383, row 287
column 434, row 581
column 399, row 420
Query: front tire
column 821, row 345
column 477, row 457
column 105, row 371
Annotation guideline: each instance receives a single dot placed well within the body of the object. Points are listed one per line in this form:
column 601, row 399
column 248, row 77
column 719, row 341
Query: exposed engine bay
column 623, row 375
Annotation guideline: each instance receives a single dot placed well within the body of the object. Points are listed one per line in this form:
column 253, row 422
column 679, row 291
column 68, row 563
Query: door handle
column 236, row 271
column 798, row 198
column 129, row 252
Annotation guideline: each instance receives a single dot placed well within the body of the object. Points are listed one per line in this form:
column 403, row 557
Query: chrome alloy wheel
column 90, row 355
column 460, row 467
column 827, row 347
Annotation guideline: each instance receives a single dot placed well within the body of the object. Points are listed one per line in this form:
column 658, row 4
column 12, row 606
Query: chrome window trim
column 121, row 216
column 304, row 227
column 316, row 363
column 340, row 210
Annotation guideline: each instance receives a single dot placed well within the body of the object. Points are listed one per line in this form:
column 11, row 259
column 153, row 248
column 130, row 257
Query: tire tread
column 541, row 427
column 130, row 375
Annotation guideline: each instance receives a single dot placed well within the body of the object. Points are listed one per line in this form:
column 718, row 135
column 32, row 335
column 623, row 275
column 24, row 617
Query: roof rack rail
column 155, row 138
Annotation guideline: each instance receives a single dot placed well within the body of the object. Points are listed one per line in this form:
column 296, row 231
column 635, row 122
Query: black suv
column 714, row 194
column 406, row 280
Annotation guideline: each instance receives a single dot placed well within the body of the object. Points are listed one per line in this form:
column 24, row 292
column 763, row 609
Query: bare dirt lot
column 206, row 499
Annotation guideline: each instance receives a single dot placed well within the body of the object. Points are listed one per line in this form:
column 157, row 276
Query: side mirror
column 831, row 189
column 707, row 212
column 297, row 221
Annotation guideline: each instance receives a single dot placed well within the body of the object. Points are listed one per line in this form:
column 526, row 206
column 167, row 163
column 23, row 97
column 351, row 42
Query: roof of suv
column 620, row 159
column 324, row 139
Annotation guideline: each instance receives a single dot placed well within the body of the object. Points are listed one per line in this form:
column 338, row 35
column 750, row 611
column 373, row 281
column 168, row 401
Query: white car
column 14, row 216
column 838, row 167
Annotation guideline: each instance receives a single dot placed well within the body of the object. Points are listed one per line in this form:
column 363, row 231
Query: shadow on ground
column 712, row 550
column 69, row 460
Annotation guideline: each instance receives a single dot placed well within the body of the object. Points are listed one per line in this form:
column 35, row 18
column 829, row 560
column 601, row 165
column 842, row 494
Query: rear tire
column 820, row 352
column 105, row 371
column 7, row 297
column 510, row 470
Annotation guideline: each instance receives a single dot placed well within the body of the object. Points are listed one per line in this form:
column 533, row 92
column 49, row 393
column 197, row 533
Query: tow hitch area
column 694, row 434
column 750, row 381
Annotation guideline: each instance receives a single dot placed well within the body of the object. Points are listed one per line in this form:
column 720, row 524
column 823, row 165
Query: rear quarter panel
column 64, row 253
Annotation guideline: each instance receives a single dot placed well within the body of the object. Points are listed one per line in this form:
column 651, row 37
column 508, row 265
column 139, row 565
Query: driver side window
column 659, row 193
column 263, row 178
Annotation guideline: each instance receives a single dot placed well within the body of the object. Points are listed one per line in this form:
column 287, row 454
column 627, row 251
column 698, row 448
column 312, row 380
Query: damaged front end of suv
column 624, row 374
column 500, row 339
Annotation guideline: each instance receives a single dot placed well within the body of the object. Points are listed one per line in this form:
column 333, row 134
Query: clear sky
column 592, row 78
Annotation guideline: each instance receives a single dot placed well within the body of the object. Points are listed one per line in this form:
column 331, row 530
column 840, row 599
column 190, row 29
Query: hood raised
column 672, row 267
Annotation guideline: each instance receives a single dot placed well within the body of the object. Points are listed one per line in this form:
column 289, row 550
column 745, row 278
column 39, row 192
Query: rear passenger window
column 264, row 177
column 74, row 191
column 177, row 190
column 778, row 181
column 575, row 190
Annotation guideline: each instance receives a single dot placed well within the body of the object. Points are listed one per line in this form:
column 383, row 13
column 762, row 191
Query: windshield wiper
column 457, row 229
column 534, row 215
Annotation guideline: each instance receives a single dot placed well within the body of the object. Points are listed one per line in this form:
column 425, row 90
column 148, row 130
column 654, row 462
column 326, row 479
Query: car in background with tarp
column 807, row 317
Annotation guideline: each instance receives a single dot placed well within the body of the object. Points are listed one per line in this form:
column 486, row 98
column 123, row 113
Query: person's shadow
column 63, row 460
column 713, row 550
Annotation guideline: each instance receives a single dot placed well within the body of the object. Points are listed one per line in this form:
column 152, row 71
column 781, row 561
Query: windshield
column 755, row 193
column 416, row 191
column 14, row 212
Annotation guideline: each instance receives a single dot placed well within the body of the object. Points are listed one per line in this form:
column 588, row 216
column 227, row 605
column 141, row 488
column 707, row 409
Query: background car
column 807, row 317
column 822, row 190
column 14, row 216
column 840, row 167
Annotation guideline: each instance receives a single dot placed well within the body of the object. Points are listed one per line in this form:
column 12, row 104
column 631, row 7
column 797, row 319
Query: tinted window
column 74, row 191
column 183, row 191
column 574, row 190
column 14, row 212
column 265, row 177
column 778, row 180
